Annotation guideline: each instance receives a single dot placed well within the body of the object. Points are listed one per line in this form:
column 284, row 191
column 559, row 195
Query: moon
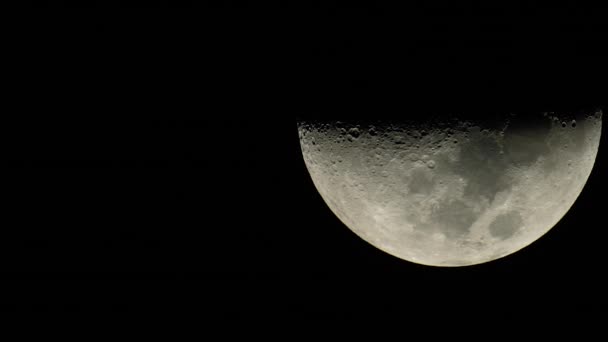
column 451, row 192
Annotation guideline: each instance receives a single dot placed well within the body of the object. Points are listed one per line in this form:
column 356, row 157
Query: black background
column 147, row 143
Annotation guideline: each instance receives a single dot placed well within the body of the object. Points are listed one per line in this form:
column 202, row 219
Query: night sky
column 146, row 144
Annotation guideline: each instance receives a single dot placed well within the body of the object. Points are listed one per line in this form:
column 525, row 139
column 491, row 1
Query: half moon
column 451, row 192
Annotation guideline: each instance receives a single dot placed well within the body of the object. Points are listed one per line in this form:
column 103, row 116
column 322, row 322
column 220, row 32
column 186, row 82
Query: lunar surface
column 451, row 192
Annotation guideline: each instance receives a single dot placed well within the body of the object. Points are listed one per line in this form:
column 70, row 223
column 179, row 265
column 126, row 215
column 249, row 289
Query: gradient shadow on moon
column 451, row 192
